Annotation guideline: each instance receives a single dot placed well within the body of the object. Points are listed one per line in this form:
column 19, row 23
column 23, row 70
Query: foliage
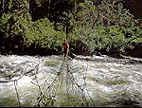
column 11, row 22
column 12, row 27
column 106, row 26
column 42, row 34
column 100, row 37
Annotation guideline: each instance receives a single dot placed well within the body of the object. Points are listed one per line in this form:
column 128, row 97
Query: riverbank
column 133, row 51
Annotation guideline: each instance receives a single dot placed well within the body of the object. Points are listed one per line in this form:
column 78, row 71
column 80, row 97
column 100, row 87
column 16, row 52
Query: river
column 81, row 81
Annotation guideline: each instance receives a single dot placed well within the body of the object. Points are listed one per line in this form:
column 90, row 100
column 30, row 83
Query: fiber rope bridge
column 63, row 90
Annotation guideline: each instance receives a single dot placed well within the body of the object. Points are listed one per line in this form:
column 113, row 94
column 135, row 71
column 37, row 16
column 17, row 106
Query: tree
column 12, row 24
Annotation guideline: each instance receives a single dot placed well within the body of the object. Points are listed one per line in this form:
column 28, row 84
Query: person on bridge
column 66, row 48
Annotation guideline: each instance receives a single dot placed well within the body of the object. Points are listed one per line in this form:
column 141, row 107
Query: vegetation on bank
column 40, row 26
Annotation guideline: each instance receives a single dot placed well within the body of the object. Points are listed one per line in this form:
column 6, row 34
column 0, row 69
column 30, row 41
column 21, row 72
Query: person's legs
column 65, row 53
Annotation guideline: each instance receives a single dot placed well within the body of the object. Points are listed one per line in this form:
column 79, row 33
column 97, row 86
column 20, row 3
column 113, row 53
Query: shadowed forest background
column 39, row 27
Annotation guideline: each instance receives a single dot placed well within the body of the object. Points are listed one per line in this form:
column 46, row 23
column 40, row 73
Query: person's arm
column 68, row 46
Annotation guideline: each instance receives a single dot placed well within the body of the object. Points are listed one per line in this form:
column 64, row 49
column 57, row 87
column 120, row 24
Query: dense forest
column 39, row 27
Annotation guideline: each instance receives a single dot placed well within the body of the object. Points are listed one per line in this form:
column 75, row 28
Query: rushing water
column 103, row 80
